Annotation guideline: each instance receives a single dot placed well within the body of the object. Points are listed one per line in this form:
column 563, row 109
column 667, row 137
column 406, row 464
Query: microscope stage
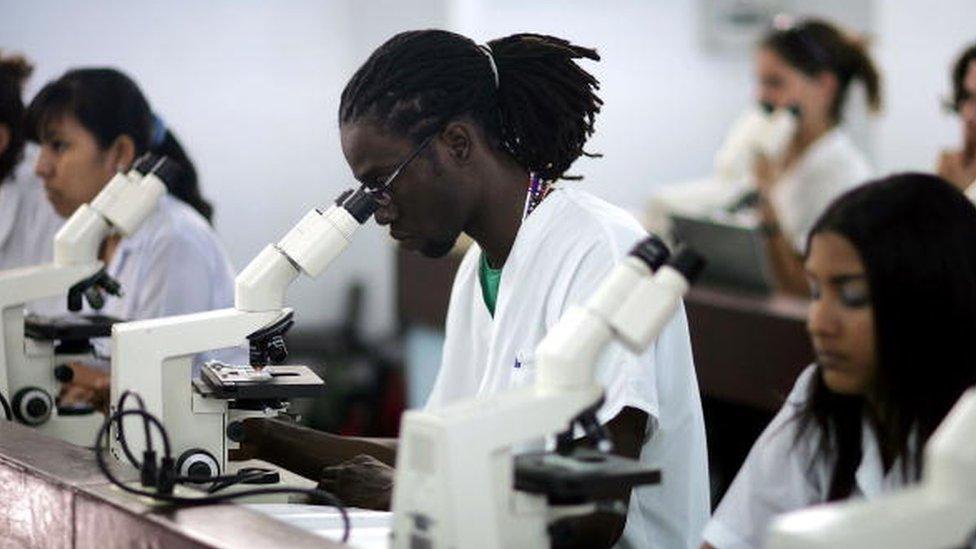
column 584, row 475
column 219, row 380
column 68, row 327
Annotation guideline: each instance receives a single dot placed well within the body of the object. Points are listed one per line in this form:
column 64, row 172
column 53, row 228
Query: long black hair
column 541, row 109
column 916, row 236
column 14, row 70
column 814, row 46
column 109, row 104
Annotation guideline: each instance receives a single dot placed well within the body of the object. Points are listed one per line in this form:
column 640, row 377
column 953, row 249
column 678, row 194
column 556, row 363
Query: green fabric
column 489, row 283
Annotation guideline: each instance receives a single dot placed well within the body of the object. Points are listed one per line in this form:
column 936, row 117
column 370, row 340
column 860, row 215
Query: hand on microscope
column 357, row 470
column 362, row 481
column 87, row 386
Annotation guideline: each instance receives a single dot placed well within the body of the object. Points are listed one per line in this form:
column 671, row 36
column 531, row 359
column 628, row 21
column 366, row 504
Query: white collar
column 870, row 475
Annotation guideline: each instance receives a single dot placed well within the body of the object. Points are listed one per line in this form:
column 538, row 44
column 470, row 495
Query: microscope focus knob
column 32, row 406
column 64, row 373
column 277, row 351
column 199, row 464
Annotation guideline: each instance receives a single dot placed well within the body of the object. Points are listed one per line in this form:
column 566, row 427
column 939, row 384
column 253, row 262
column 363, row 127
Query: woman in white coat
column 90, row 124
column 27, row 221
column 892, row 273
column 808, row 68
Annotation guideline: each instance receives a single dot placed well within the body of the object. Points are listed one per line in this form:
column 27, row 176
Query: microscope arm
column 940, row 512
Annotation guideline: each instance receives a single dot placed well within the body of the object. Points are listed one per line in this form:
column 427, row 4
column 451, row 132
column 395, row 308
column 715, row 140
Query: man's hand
column 362, row 481
column 88, row 386
column 251, row 446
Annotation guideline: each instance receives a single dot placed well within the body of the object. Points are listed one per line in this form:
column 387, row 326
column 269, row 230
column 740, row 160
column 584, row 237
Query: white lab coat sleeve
column 778, row 476
column 628, row 380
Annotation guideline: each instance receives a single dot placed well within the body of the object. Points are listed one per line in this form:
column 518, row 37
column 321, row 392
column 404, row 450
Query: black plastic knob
column 32, row 405
column 37, row 407
column 277, row 351
column 235, row 431
column 199, row 470
column 64, row 373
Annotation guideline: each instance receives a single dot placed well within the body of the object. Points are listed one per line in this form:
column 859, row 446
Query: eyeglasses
column 385, row 186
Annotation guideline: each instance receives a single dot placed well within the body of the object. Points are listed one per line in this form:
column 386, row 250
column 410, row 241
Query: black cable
column 121, row 434
column 7, row 411
column 103, row 434
column 243, row 476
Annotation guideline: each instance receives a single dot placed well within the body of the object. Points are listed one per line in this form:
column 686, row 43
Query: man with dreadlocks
column 468, row 138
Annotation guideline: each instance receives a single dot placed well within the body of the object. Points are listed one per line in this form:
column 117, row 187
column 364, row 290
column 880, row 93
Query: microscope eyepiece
column 361, row 205
column 652, row 251
column 144, row 164
column 689, row 263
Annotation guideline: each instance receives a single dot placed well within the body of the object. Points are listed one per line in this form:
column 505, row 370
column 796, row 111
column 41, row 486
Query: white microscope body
column 938, row 513
column 27, row 366
column 456, row 473
column 154, row 357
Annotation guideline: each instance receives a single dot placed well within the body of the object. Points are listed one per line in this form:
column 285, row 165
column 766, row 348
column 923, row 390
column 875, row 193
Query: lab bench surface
column 53, row 495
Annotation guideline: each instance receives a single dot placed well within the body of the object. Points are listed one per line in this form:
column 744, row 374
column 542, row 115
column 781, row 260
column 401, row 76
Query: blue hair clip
column 158, row 131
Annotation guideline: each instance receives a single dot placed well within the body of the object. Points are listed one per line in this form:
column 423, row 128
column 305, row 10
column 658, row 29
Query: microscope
column 937, row 513
column 458, row 482
column 154, row 357
column 762, row 129
column 35, row 351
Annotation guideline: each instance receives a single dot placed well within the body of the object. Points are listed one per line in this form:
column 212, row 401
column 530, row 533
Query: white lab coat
column 174, row 264
column 28, row 223
column 830, row 166
column 562, row 253
column 779, row 476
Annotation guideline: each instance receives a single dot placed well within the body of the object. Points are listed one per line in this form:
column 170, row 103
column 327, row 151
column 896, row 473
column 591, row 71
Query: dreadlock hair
column 541, row 111
column 14, row 70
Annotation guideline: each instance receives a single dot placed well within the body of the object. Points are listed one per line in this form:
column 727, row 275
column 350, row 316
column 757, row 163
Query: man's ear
column 458, row 136
column 4, row 138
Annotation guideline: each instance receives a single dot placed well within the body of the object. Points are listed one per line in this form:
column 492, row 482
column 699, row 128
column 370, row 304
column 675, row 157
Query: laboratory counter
column 53, row 495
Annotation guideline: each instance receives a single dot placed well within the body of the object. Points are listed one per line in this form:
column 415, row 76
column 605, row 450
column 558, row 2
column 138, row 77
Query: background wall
column 252, row 90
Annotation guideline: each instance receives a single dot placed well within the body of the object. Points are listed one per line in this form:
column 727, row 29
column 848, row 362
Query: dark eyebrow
column 839, row 279
column 374, row 177
column 845, row 278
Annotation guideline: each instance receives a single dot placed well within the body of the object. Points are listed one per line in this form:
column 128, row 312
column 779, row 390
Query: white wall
column 668, row 102
column 252, row 88
column 917, row 44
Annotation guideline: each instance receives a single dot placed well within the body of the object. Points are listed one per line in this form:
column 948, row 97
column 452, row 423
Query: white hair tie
column 491, row 60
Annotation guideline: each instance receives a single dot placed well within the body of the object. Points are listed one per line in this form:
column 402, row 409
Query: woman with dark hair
column 472, row 138
column 808, row 67
column 92, row 123
column 892, row 272
column 959, row 166
column 27, row 221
